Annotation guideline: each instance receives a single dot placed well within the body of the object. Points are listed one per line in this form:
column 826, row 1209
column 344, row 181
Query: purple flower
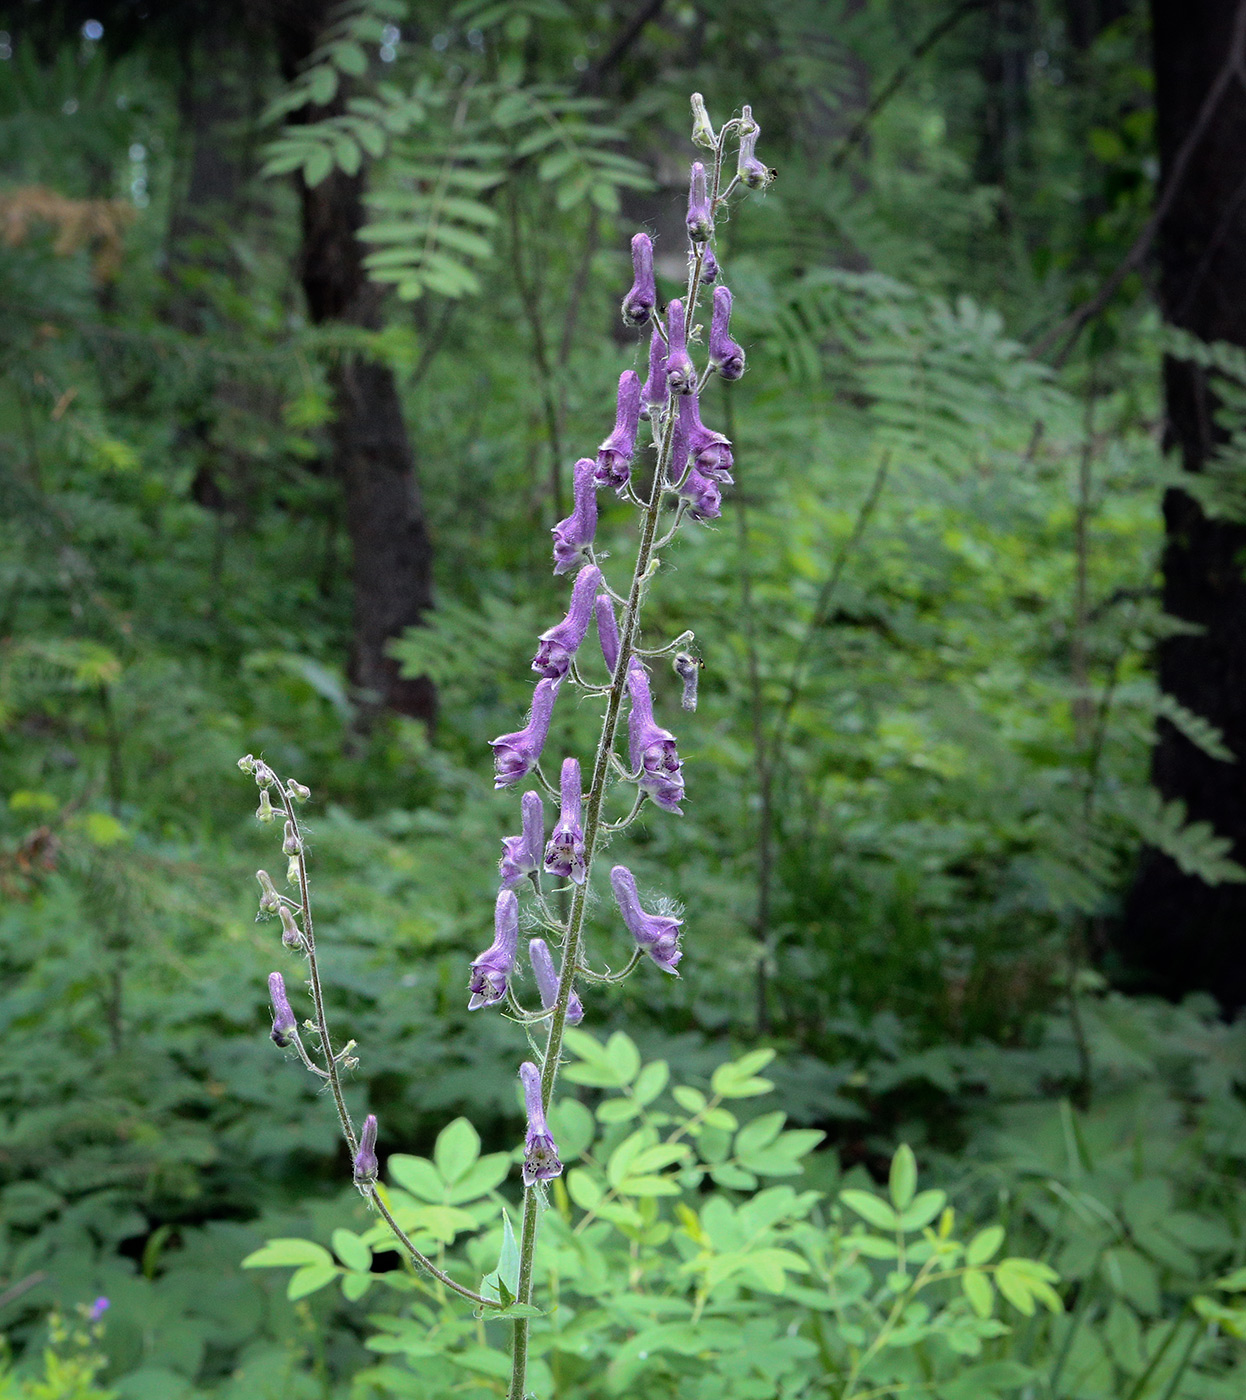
column 283, row 1018
column 365, row 1158
column 515, row 755
column 98, row 1309
column 703, row 496
column 492, row 969
column 559, row 644
column 638, row 304
column 656, row 934
column 607, row 631
column 709, row 266
column 574, row 535
column 688, row 669
column 725, row 355
column 614, row 456
column 540, row 1159
column 521, row 855
column 710, row 451
column 652, row 749
column 564, row 856
column 749, row 169
column 681, row 373
column 700, row 221
column 547, row 981
column 655, row 395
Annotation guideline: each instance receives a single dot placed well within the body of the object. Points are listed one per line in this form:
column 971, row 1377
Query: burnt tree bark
column 1179, row 934
column 372, row 453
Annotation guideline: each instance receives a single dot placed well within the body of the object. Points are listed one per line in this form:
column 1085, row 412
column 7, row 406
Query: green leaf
column 1234, row 1282
column 573, row 1127
column 761, row 1132
column 977, row 1288
column 648, row 1186
column 617, row 1110
column 926, row 1205
column 903, row 1180
column 350, row 58
column 690, row 1099
column 736, row 1178
column 1016, row 1286
column 285, row 1253
column 417, row 1175
column 984, row 1245
column 352, row 1251
column 317, row 165
column 502, row 1285
column 623, row 1156
column 456, row 1149
column 480, row 1178
column 871, row 1209
column 735, row 1080
column 651, row 1081
column 310, row 1279
column 354, row 1286
column 584, row 1189
column 623, row 1057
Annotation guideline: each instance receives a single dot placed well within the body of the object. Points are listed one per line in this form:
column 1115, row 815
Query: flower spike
column 574, row 535
column 491, row 971
column 614, row 456
column 516, row 755
column 638, row 304
column 559, row 644
column 655, row 934
column 725, row 355
column 521, row 855
column 653, row 752
column 547, row 981
column 564, row 856
column 540, row 1159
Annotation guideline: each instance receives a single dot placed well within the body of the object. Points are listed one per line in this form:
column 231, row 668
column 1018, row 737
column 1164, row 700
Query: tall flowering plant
column 670, row 474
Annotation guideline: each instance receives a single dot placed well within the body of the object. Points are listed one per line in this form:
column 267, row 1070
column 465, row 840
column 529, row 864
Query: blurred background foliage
column 918, row 772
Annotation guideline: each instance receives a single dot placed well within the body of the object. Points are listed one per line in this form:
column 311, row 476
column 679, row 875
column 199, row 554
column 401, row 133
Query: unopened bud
column 284, row 1023
column 702, row 128
column 270, row 900
column 751, row 171
column 291, row 846
column 264, row 775
column 290, row 934
column 297, row 790
column 292, row 871
column 700, row 221
column 365, row 1159
column 688, row 669
column 265, row 812
column 247, row 764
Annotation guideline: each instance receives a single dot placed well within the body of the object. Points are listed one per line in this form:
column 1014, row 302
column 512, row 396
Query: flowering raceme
column 671, row 474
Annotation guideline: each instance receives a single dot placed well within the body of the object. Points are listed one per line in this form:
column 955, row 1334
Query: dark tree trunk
column 372, row 456
column 1179, row 934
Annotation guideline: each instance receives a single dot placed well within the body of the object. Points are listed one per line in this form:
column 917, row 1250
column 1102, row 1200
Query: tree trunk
column 1179, row 934
column 372, row 456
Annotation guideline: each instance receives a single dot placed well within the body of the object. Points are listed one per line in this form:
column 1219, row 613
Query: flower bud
column 709, row 266
column 247, row 763
column 290, row 934
column 702, row 129
column 264, row 775
column 270, row 900
column 284, row 1024
column 521, row 855
column 265, row 812
column 638, row 304
column 547, row 981
column 366, row 1165
column 607, row 631
column 725, row 355
column 564, row 856
column 749, row 169
column 297, row 790
column 688, row 669
column 291, row 846
column 700, row 221
column 292, row 871
column 655, row 395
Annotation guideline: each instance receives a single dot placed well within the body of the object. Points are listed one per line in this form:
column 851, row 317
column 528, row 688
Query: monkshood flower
column 564, row 856
column 725, row 355
column 652, row 749
column 655, row 934
column 540, row 1152
column 655, row 395
column 749, row 169
column 607, row 631
column 574, row 535
column 681, row 373
column 709, row 265
column 516, row 755
column 547, row 981
column 614, row 456
column 700, row 221
column 702, row 495
column 560, row 643
column 521, row 855
column 710, row 451
column 638, row 304
column 491, row 971
column 284, row 1023
column 365, row 1159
